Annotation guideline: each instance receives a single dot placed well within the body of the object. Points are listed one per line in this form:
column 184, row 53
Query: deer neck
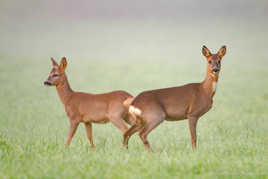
column 64, row 90
column 209, row 85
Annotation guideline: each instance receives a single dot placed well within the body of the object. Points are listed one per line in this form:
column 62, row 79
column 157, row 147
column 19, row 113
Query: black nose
column 47, row 83
column 215, row 70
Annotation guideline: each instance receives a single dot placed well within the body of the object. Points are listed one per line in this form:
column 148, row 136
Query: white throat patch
column 214, row 86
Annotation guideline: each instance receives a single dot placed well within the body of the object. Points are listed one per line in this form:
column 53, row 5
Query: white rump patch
column 134, row 110
column 214, row 86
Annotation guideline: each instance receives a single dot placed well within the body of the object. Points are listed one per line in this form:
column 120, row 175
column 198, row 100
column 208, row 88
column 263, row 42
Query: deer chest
column 201, row 106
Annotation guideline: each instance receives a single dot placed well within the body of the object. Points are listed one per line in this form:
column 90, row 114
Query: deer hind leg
column 119, row 123
column 150, row 125
column 132, row 130
column 192, row 127
column 89, row 133
column 73, row 127
column 129, row 120
column 115, row 114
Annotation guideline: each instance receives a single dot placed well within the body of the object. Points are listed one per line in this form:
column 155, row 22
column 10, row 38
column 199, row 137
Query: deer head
column 57, row 74
column 214, row 60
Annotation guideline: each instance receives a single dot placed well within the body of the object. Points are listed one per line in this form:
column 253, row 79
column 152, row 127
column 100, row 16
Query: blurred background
column 133, row 30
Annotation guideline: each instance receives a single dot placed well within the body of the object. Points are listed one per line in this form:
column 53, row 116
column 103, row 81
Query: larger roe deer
column 88, row 108
column 191, row 101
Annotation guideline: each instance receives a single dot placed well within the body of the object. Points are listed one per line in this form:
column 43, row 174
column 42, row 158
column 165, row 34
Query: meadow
column 232, row 136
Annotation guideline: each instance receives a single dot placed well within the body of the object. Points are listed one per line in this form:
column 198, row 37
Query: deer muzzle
column 47, row 83
column 215, row 70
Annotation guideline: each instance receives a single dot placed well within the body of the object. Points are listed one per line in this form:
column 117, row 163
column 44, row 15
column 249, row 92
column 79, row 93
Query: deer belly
column 176, row 114
column 97, row 116
column 101, row 121
column 175, row 118
column 96, row 113
column 96, row 119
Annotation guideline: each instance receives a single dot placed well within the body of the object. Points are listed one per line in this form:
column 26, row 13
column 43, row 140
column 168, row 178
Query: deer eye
column 55, row 75
column 219, row 62
column 209, row 61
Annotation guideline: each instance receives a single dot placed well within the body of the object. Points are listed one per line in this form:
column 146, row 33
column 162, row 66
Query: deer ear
column 206, row 51
column 63, row 64
column 54, row 63
column 222, row 51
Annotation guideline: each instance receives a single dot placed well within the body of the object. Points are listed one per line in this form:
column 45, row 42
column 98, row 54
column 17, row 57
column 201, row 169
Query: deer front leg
column 192, row 126
column 73, row 127
column 89, row 133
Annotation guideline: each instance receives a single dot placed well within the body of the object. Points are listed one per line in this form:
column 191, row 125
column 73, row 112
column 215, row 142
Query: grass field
column 232, row 136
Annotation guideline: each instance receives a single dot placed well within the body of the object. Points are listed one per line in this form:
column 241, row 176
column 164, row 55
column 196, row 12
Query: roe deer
column 191, row 101
column 88, row 108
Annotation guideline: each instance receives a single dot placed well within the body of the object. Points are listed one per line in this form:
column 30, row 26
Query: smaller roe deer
column 191, row 101
column 88, row 108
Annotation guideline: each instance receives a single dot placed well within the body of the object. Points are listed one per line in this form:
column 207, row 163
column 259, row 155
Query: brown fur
column 88, row 108
column 191, row 101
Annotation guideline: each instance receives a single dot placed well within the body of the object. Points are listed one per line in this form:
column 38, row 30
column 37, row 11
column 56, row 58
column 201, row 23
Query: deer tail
column 131, row 108
column 134, row 110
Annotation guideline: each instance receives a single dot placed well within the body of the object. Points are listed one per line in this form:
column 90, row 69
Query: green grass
column 232, row 137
